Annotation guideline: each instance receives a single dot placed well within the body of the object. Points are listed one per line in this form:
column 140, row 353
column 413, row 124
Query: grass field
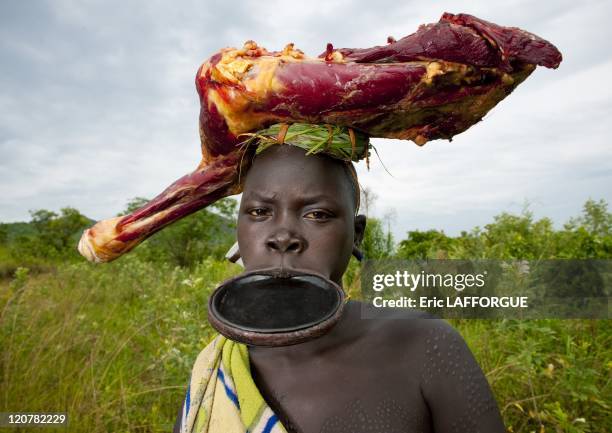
column 113, row 347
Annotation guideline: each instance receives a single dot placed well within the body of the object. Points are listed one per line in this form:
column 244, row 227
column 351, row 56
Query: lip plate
column 278, row 336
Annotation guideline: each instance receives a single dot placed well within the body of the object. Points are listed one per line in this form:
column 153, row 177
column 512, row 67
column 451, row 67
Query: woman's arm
column 454, row 386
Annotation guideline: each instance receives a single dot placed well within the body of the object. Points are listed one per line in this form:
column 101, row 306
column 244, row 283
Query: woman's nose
column 285, row 241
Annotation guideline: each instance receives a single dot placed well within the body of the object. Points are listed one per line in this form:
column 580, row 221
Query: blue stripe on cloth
column 271, row 421
column 188, row 399
column 232, row 396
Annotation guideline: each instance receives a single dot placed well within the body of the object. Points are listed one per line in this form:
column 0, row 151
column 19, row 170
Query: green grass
column 113, row 346
column 547, row 375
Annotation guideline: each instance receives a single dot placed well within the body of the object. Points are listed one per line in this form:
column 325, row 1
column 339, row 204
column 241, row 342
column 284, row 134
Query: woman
column 414, row 375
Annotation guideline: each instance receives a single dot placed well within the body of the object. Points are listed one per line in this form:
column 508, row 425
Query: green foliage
column 20, row 278
column 57, row 235
column 595, row 219
column 421, row 245
column 330, row 139
column 49, row 238
column 10, row 262
column 589, row 235
column 117, row 352
column 3, row 234
column 520, row 237
column 377, row 242
column 111, row 345
column 114, row 345
column 13, row 231
column 512, row 236
column 547, row 375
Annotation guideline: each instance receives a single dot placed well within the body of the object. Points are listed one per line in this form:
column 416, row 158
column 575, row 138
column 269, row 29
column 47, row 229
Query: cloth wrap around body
column 222, row 396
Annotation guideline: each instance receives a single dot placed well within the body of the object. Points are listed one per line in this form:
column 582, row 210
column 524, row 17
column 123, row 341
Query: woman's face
column 297, row 212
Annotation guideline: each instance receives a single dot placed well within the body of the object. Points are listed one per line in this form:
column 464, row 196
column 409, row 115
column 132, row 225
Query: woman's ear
column 360, row 225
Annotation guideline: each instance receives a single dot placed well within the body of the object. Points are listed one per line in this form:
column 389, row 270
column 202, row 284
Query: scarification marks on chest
column 386, row 416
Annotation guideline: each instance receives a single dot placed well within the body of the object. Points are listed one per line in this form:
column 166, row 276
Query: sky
column 98, row 105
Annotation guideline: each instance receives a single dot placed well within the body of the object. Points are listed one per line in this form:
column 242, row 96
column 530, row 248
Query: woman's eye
column 317, row 215
column 258, row 212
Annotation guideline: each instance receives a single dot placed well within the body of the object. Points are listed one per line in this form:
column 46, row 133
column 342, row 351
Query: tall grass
column 113, row 347
column 547, row 375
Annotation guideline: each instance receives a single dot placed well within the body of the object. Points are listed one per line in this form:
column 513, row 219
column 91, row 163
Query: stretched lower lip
column 276, row 307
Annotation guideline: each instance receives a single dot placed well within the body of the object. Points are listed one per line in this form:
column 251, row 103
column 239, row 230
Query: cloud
column 99, row 105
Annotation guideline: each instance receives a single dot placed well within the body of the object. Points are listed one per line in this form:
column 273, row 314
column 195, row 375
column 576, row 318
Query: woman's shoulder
column 406, row 336
column 420, row 348
column 401, row 322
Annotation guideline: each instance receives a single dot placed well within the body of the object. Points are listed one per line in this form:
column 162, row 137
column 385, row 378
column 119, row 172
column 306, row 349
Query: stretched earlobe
column 233, row 254
column 360, row 227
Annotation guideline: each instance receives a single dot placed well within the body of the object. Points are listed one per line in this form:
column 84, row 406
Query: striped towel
column 222, row 396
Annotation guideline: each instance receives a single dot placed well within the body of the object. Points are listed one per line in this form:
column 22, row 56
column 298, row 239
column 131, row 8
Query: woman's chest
column 343, row 397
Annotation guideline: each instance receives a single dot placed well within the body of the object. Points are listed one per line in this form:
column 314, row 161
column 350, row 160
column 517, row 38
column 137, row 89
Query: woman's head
column 298, row 211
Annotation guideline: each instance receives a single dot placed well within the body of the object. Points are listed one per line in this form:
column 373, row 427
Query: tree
column 595, row 219
column 589, row 235
column 519, row 237
column 57, row 234
column 509, row 236
column 424, row 244
column 376, row 243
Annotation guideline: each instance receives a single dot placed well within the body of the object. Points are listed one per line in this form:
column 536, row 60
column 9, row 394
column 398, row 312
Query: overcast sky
column 98, row 105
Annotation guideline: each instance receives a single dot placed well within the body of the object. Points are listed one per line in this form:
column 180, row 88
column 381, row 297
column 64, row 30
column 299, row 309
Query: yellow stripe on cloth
column 222, row 396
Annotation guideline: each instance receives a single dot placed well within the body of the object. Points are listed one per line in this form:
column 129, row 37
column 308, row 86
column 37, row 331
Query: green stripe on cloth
column 224, row 397
column 236, row 362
